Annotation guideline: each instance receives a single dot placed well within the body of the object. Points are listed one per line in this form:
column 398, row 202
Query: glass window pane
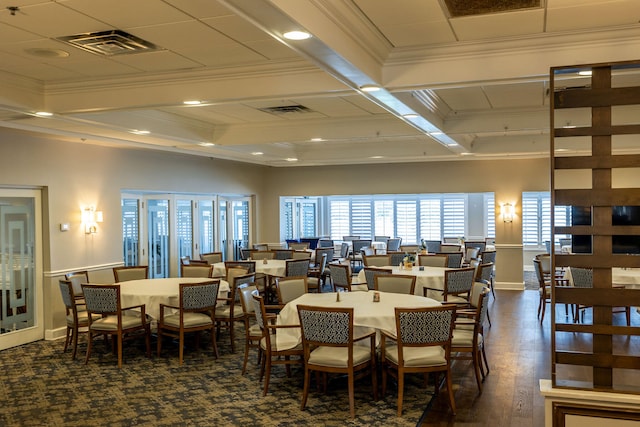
column 406, row 217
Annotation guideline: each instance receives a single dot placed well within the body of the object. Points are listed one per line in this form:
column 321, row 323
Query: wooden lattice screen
column 595, row 141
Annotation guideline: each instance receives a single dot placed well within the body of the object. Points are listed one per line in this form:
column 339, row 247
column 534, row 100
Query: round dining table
column 153, row 292
column 368, row 315
column 272, row 267
column 426, row 277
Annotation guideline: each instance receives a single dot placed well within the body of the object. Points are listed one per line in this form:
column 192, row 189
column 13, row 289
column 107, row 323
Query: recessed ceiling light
column 296, row 35
column 376, row 157
column 44, row 114
column 47, row 52
column 291, row 159
column 140, row 132
column 194, row 102
column 369, row 88
column 206, row 144
column 257, row 153
column 466, row 154
column 410, row 116
column 316, row 139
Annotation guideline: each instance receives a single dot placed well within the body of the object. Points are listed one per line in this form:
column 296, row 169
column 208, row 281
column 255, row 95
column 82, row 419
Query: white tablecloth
column 153, row 292
column 273, row 267
column 429, row 277
column 367, row 315
column 630, row 277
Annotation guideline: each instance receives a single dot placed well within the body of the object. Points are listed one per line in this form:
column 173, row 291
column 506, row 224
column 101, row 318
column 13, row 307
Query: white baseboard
column 55, row 334
column 509, row 286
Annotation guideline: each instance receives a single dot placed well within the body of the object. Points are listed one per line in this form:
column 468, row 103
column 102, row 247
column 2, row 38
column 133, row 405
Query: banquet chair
column 454, row 259
column 371, row 272
column 260, row 255
column 450, row 240
column 290, row 288
column 490, row 257
column 356, row 251
column 433, row 260
column 296, row 267
column 248, row 266
column 282, row 254
column 344, row 252
column 77, row 278
column 211, row 257
column 341, row 279
column 260, row 247
column 245, row 254
column 328, row 343
column 300, row 246
column 193, row 270
column 421, row 345
column 381, row 238
column 194, row 313
column 301, row 255
column 325, row 243
column 450, row 247
column 316, row 276
column 271, row 354
column 228, row 314
column 104, row 301
column 484, row 276
column 134, row 272
column 350, row 238
column 396, row 257
column 433, row 246
column 393, row 244
column 544, row 288
column 376, row 260
column 468, row 343
column 395, row 283
column 470, row 254
column 411, row 249
column 252, row 331
column 77, row 315
column 583, row 278
column 457, row 286
column 321, row 251
column 480, row 245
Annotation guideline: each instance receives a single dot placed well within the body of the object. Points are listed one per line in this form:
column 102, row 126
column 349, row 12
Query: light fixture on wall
column 90, row 219
column 507, row 211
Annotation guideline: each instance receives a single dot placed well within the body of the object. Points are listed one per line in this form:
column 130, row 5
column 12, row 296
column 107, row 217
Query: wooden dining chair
column 77, row 315
column 104, row 301
column 133, row 272
column 376, row 260
column 421, row 345
column 227, row 314
column 341, row 279
column 194, row 313
column 371, row 272
column 395, row 283
column 252, row 331
column 433, row 260
column 77, row 278
column 211, row 257
column 328, row 344
column 457, row 286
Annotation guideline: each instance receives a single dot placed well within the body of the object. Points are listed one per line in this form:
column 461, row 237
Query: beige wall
column 74, row 175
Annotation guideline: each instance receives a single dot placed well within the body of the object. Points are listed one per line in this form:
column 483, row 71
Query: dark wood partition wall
column 595, row 138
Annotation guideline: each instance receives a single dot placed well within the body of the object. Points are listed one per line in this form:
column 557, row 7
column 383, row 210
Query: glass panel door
column 158, row 237
column 234, row 216
column 130, row 231
column 184, row 229
column 21, row 297
column 206, row 226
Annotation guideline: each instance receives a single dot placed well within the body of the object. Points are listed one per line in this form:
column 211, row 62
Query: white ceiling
column 478, row 83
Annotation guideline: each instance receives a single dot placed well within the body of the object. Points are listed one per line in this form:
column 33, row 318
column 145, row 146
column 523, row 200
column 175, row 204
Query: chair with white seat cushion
column 433, row 260
column 252, row 331
column 457, row 285
column 228, row 314
column 421, row 345
column 133, row 272
column 77, row 315
column 195, row 313
column 395, row 283
column 371, row 272
column 328, row 343
column 341, row 279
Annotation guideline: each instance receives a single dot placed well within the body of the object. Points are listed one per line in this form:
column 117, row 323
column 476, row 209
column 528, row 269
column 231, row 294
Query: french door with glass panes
column 235, row 226
column 21, row 290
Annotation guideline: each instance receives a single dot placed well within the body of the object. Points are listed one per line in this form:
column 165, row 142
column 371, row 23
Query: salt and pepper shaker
column 376, row 297
column 337, row 296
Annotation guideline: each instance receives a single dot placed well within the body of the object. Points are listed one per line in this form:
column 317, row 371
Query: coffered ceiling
column 459, row 78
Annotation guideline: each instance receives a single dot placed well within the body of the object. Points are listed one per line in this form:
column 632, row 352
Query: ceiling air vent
column 287, row 109
column 109, row 43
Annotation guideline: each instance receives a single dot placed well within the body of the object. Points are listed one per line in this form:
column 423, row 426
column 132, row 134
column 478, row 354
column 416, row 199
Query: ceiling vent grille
column 287, row 109
column 109, row 43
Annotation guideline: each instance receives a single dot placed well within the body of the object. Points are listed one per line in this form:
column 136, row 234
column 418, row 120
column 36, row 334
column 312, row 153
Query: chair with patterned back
column 260, row 255
column 196, row 270
column 481, row 245
column 252, row 331
column 301, row 255
column 583, row 278
column 350, row 238
column 321, row 251
column 134, row 272
column 490, row 257
column 376, row 260
column 282, row 254
column 317, row 275
column 454, row 259
column 457, row 285
column 484, row 275
column 393, row 244
column 450, row 247
column 433, row 246
column 328, row 343
column 344, row 251
column 193, row 314
column 544, row 288
column 371, row 272
column 341, row 279
column 396, row 257
column 77, row 278
column 395, row 283
column 77, row 315
column 211, row 257
column 356, row 251
column 409, row 249
column 271, row 354
column 433, row 260
column 245, row 254
column 325, row 243
column 296, row 267
column 228, row 314
column 421, row 345
column 469, row 343
column 104, row 301
column 261, row 247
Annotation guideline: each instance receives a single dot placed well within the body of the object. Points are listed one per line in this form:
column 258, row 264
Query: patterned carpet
column 42, row 386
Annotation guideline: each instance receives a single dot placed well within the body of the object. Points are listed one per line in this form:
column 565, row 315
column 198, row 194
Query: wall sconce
column 507, row 212
column 90, row 219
